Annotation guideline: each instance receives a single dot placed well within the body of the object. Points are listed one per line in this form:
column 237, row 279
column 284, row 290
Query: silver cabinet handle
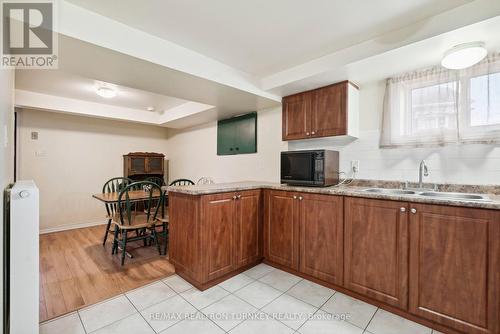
column 307, row 133
column 402, row 209
column 294, row 197
column 301, row 198
column 413, row 210
column 239, row 196
column 234, row 197
column 313, row 133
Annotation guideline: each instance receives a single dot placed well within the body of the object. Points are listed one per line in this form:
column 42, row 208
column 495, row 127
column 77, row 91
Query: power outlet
column 355, row 166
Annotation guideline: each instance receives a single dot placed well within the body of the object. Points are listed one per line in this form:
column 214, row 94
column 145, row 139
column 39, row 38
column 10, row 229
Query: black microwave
column 316, row 168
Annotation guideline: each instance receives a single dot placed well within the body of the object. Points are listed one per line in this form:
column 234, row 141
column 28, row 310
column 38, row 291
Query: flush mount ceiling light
column 150, row 108
column 106, row 92
column 464, row 55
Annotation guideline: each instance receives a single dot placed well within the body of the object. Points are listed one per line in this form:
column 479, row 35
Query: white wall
column 193, row 153
column 76, row 155
column 6, row 151
column 469, row 164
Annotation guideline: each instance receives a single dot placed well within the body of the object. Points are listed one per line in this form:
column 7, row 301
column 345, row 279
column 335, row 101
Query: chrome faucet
column 422, row 171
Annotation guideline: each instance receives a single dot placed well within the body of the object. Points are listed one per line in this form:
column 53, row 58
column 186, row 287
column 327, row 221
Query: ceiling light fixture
column 464, row 55
column 106, row 92
column 150, row 108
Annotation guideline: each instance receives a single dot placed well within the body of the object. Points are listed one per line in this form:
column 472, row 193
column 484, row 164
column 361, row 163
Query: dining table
column 134, row 196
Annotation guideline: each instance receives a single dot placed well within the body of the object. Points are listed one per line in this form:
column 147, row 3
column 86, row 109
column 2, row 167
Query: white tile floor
column 265, row 294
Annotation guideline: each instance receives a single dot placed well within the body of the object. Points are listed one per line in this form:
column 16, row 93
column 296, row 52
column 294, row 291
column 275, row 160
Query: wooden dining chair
column 155, row 179
column 113, row 185
column 181, row 182
column 129, row 219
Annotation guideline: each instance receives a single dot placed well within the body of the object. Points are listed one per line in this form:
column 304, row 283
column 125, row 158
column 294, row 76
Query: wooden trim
column 68, row 227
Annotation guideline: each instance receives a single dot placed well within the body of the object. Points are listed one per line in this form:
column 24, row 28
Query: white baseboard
column 70, row 227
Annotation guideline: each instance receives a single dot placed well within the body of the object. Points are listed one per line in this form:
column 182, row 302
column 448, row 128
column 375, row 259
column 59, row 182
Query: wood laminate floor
column 76, row 270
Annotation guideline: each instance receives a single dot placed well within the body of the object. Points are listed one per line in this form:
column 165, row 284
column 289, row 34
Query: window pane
column 485, row 100
column 433, row 108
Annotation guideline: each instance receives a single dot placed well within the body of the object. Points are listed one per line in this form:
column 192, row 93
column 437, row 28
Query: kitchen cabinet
column 323, row 112
column 281, row 228
column 376, row 249
column 455, row 267
column 304, row 232
column 237, row 135
column 214, row 236
column 321, row 237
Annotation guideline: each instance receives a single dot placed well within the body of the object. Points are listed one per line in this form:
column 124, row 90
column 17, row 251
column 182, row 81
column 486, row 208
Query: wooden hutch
column 140, row 165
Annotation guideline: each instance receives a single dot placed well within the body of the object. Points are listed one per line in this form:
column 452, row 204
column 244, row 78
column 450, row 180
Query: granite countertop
column 355, row 190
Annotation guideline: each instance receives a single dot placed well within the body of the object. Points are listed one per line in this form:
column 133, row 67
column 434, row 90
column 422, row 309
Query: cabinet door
column 455, row 267
column 247, row 228
column 138, row 165
column 226, row 134
column 329, row 111
column 155, row 165
column 321, row 237
column 296, row 116
column 281, row 239
column 218, row 215
column 376, row 249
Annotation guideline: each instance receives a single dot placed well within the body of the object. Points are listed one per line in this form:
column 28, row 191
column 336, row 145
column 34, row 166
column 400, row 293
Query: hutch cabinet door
column 155, row 165
column 376, row 249
column 281, row 228
column 455, row 267
column 138, row 165
column 321, row 237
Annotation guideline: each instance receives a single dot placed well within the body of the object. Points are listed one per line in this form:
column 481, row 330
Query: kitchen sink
column 390, row 191
column 434, row 194
column 458, row 196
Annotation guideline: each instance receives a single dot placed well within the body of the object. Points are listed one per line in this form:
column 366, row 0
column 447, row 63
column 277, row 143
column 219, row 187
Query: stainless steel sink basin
column 390, row 191
column 434, row 194
column 457, row 196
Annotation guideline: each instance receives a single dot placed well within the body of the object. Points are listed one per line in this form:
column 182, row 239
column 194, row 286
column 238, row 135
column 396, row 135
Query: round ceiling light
column 150, row 108
column 106, row 92
column 464, row 55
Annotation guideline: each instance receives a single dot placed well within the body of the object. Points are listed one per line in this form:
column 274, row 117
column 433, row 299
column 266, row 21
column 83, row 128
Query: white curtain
column 437, row 106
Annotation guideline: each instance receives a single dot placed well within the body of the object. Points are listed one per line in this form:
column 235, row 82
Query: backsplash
column 461, row 164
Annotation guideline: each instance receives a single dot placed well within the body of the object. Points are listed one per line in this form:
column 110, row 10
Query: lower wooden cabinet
column 212, row 236
column 321, row 232
column 281, row 228
column 455, row 267
column 376, row 249
column 304, row 232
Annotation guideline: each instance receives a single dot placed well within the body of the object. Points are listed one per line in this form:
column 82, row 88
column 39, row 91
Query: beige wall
column 193, row 153
column 73, row 157
column 6, row 149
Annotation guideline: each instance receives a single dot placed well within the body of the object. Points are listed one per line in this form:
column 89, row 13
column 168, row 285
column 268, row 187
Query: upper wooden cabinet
column 323, row 112
column 455, row 267
column 376, row 249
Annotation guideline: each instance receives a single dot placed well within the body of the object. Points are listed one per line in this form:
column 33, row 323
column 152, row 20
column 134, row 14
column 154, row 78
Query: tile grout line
column 141, row 313
column 79, row 317
column 319, row 308
column 371, row 319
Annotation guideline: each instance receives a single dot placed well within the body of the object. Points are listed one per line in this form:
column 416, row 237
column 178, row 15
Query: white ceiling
column 65, row 84
column 262, row 37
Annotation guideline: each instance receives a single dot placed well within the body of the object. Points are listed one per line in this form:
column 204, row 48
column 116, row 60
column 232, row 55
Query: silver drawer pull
column 413, row 210
column 402, row 209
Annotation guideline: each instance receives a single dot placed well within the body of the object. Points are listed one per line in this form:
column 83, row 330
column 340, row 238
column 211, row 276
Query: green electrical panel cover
column 237, row 135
